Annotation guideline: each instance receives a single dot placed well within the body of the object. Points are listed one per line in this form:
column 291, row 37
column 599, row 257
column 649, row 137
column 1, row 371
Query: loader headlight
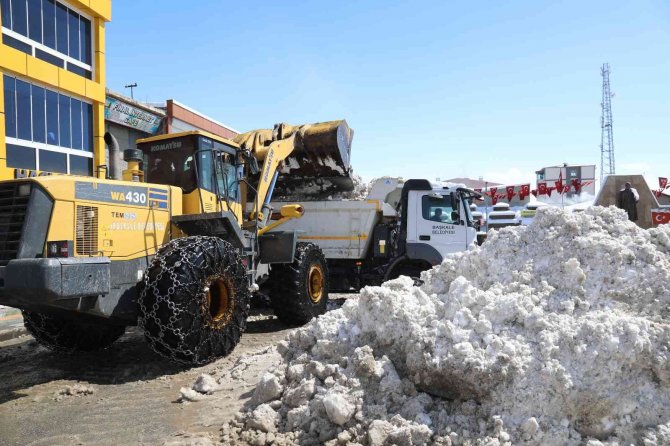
column 23, row 190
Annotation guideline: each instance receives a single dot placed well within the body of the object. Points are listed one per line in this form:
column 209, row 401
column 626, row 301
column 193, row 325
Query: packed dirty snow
column 318, row 189
column 551, row 334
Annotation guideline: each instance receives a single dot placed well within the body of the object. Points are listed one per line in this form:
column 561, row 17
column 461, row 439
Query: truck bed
column 342, row 229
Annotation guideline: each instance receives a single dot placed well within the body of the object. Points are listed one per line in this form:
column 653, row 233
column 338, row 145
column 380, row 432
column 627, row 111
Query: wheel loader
column 178, row 245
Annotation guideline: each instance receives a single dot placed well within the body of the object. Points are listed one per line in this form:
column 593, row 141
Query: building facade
column 52, row 86
column 569, row 175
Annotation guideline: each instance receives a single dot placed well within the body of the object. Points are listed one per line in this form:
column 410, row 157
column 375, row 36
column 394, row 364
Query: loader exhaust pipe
column 114, row 156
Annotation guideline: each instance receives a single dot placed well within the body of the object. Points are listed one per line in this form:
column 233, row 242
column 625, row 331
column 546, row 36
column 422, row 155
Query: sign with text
column 125, row 114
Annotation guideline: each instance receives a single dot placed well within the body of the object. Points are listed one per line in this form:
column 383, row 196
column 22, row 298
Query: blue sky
column 432, row 89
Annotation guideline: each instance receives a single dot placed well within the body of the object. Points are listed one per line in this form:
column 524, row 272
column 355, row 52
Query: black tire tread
column 288, row 291
column 69, row 335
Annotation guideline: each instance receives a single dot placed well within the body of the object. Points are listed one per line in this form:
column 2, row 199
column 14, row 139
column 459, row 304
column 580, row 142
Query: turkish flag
column 660, row 218
column 542, row 188
column 576, row 184
column 493, row 191
column 566, row 189
column 549, row 189
column 559, row 183
column 494, row 199
column 658, row 193
column 534, row 192
column 510, row 192
column 663, row 182
column 525, row 188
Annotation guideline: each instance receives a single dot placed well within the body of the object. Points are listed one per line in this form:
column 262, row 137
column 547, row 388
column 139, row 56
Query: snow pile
column 323, row 189
column 551, row 334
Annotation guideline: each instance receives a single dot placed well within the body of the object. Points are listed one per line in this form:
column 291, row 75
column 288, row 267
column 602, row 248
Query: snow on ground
column 551, row 334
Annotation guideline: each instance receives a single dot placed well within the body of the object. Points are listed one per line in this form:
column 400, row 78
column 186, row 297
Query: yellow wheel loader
column 178, row 245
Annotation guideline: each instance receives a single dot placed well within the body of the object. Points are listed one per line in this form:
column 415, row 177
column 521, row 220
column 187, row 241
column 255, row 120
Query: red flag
column 576, row 184
column 566, row 189
column 534, row 192
column 658, row 193
column 510, row 192
column 559, row 183
column 660, row 218
column 549, row 189
column 493, row 191
column 542, row 188
column 663, row 182
column 525, row 188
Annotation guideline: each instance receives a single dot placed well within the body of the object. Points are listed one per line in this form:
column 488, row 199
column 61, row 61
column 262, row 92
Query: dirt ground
column 126, row 394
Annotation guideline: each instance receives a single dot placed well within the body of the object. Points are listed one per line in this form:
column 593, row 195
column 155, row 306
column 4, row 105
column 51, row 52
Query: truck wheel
column 300, row 289
column 69, row 335
column 194, row 300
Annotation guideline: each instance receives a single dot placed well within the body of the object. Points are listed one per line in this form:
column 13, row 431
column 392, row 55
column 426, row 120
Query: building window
column 45, row 129
column 50, row 31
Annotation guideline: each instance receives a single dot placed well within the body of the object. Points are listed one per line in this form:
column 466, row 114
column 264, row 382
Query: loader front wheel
column 70, row 335
column 194, row 300
column 300, row 289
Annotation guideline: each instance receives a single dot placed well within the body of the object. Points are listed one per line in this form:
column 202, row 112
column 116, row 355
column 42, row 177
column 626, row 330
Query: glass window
column 83, row 72
column 43, row 55
column 87, row 127
column 85, row 37
column 80, row 165
column 6, row 14
column 10, row 106
column 73, row 35
column 21, row 157
column 75, row 107
column 39, row 114
column 23, row 115
column 61, row 28
column 35, row 20
column 17, row 44
column 64, row 120
column 437, row 209
column 49, row 23
column 52, row 117
column 53, row 161
column 20, row 17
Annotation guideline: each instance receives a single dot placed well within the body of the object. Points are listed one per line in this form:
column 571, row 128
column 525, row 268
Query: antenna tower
column 606, row 139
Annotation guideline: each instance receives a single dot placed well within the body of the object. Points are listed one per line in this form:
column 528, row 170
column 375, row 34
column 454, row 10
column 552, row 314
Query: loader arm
column 277, row 152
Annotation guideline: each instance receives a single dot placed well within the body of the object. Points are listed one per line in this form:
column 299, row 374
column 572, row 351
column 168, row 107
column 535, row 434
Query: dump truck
column 401, row 228
column 169, row 244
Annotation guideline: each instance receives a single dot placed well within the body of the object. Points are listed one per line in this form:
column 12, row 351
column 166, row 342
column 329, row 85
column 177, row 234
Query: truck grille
column 87, row 231
column 12, row 215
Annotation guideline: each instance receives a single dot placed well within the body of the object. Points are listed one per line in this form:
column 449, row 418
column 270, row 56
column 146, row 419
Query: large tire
column 69, row 335
column 299, row 290
column 194, row 300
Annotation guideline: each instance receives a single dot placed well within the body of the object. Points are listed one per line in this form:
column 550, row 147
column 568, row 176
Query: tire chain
column 164, row 260
column 45, row 330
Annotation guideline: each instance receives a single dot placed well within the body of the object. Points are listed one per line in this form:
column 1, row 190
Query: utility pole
column 606, row 138
column 131, row 86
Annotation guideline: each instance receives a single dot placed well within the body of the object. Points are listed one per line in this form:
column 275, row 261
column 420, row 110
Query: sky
column 432, row 89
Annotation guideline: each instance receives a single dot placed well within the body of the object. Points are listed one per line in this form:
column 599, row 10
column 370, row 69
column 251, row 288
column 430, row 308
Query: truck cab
column 435, row 221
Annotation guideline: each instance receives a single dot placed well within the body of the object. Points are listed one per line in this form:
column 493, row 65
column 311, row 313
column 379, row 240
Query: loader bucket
column 319, row 163
column 321, row 159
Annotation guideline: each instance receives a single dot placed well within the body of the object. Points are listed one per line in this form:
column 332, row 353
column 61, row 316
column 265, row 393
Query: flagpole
column 486, row 187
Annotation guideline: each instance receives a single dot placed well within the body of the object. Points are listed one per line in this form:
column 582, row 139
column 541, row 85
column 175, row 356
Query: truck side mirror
column 455, row 217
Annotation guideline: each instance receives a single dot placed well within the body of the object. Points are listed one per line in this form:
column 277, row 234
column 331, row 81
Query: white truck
column 401, row 228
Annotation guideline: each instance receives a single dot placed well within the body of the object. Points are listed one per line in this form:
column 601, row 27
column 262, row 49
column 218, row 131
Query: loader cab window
column 437, row 209
column 217, row 169
column 170, row 161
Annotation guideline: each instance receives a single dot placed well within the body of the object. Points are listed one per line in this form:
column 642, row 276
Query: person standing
column 627, row 199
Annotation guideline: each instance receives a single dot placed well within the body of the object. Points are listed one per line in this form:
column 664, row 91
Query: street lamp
column 131, row 86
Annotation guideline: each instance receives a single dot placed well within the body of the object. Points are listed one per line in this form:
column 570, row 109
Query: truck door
column 433, row 221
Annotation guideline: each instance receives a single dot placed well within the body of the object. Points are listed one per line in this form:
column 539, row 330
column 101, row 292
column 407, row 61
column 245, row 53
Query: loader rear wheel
column 300, row 289
column 69, row 335
column 194, row 300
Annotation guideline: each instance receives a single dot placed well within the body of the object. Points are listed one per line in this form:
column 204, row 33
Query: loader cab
column 193, row 160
